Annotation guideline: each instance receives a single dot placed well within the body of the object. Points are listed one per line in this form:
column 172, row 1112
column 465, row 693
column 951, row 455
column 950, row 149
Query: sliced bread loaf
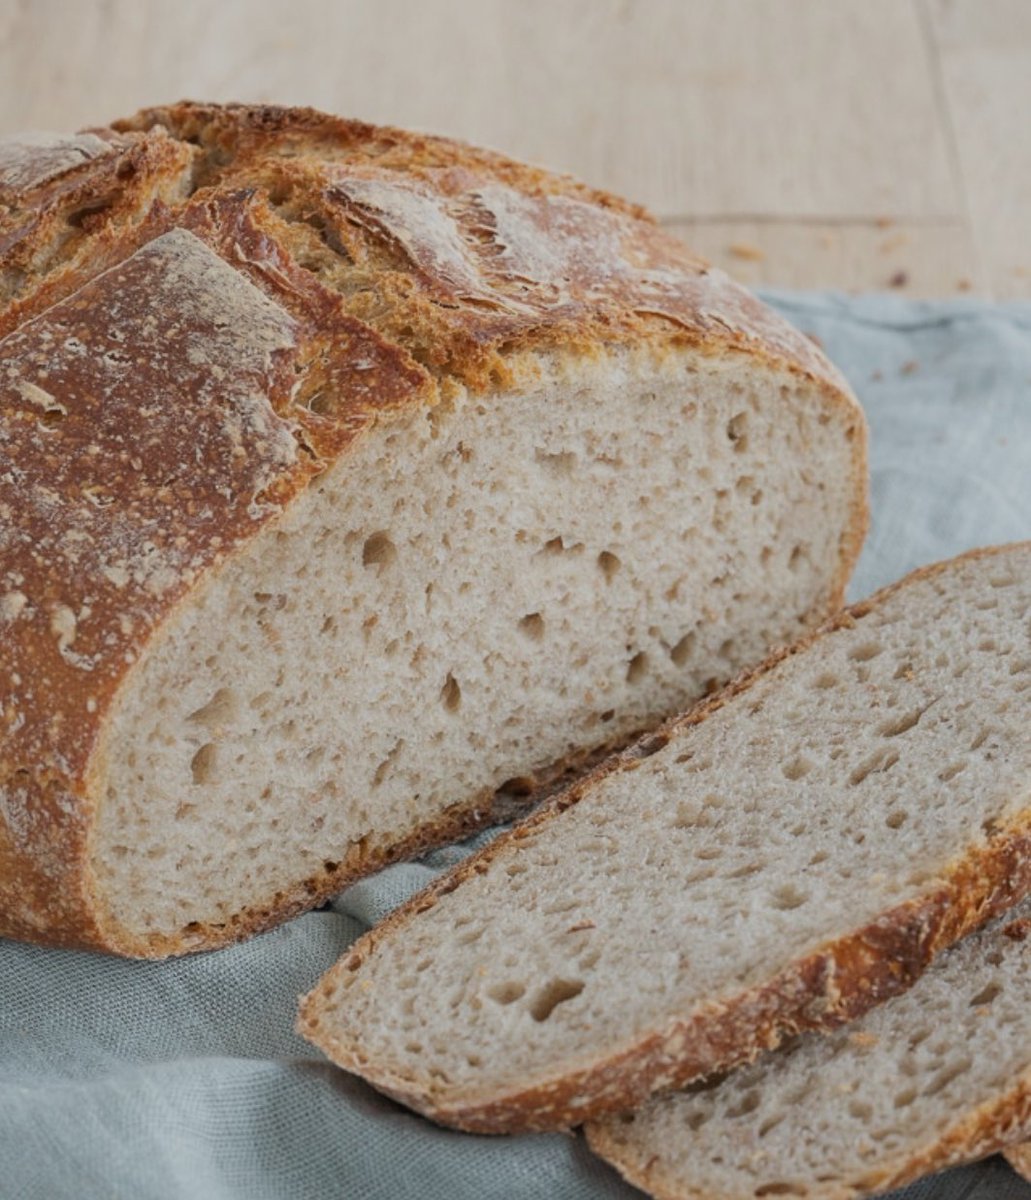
column 934, row 1078
column 784, row 857
column 350, row 479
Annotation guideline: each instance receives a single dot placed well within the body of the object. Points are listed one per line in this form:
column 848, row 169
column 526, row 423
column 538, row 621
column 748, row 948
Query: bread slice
column 356, row 483
column 937, row 1077
column 1019, row 1158
column 784, row 857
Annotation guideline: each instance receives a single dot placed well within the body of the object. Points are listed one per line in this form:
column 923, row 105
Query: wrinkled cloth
column 184, row 1080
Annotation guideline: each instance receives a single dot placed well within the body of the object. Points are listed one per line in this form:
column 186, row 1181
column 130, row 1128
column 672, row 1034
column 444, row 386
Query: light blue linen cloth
column 184, row 1080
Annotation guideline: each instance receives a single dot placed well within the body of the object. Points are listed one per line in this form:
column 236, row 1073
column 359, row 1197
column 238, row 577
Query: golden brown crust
column 1019, row 1158
column 845, row 978
column 367, row 264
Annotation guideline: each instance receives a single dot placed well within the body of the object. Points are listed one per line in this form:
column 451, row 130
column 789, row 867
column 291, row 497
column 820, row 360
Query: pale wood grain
column 930, row 259
column 727, row 107
column 815, row 117
column 985, row 52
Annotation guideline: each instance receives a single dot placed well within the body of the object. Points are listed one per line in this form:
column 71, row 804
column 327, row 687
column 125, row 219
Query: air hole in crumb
column 795, row 558
column 518, row 785
column 685, row 816
column 865, row 651
column 748, row 1103
column 880, row 761
column 532, row 625
column 779, row 1189
column 451, row 694
column 560, row 464
column 903, row 724
column 682, row 651
column 218, row 710
column 736, row 428
column 607, row 715
column 951, row 1073
column 637, row 668
column 986, row 995
column 951, row 772
column 557, row 992
column 797, row 768
column 770, row 1124
column 825, row 680
column 609, row 565
column 202, row 764
column 896, row 819
column 788, row 897
column 507, row 993
column 378, row 551
column 860, row 1110
column 742, row 872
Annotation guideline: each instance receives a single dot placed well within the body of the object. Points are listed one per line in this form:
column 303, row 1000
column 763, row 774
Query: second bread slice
column 938, row 1077
column 782, row 858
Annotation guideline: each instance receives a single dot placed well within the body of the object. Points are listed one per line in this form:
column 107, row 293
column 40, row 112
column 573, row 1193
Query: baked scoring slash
column 203, row 310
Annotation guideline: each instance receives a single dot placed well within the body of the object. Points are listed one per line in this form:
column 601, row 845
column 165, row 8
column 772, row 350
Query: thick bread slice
column 934, row 1078
column 784, row 857
column 350, row 481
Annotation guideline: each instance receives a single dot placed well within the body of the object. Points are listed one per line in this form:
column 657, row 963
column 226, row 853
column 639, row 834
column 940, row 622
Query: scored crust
column 377, row 267
column 845, row 978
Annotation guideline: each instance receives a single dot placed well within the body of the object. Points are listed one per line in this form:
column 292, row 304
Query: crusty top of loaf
column 200, row 309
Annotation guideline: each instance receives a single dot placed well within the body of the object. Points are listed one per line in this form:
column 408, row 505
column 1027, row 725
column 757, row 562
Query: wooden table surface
column 847, row 143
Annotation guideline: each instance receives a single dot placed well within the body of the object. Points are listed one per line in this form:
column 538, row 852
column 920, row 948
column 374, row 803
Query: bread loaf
column 784, row 857
column 354, row 485
column 935, row 1078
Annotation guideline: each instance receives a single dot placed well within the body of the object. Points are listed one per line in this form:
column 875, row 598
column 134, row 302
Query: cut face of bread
column 784, row 857
column 934, row 1078
column 474, row 595
column 357, row 485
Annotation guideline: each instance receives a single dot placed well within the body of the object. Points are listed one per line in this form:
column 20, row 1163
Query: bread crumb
column 899, row 279
column 963, row 285
column 884, row 222
column 862, row 1039
column 747, row 251
column 909, row 367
